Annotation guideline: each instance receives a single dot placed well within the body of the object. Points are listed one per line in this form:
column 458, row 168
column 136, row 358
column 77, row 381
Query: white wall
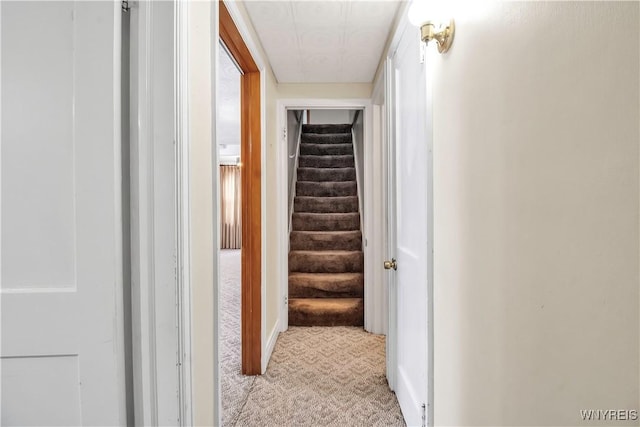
column 320, row 117
column 358, row 142
column 204, row 237
column 536, row 145
column 292, row 144
column 324, row 90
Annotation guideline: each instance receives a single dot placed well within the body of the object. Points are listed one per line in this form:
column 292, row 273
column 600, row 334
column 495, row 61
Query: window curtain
column 230, row 204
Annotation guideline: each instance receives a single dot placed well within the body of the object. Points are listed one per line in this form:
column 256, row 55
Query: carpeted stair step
column 326, row 312
column 325, row 204
column 326, row 138
column 307, row 221
column 326, row 261
column 325, row 241
column 326, row 162
column 326, row 149
column 326, row 189
column 326, row 174
column 326, row 285
column 327, row 128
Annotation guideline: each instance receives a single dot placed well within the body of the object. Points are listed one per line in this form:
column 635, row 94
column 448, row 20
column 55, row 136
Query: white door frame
column 383, row 95
column 162, row 393
column 373, row 297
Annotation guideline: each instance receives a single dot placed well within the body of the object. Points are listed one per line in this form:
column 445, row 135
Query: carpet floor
column 317, row 376
column 234, row 386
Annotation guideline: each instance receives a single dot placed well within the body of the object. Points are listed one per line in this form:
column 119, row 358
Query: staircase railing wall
column 295, row 157
column 357, row 138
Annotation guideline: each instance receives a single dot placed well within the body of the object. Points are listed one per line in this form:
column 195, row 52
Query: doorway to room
column 233, row 384
column 250, row 192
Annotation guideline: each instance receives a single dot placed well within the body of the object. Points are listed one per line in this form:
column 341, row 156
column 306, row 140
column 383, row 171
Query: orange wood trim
column 251, row 223
column 233, row 40
column 250, row 155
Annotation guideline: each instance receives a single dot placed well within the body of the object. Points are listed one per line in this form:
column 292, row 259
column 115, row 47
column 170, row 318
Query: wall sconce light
column 431, row 29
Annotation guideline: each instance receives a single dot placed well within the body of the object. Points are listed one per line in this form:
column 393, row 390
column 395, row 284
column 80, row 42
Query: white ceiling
column 331, row 41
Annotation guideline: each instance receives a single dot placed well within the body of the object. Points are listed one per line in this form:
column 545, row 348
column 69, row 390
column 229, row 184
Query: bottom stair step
column 326, row 312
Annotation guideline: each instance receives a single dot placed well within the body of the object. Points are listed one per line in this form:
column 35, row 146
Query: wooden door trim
column 233, row 40
column 251, row 194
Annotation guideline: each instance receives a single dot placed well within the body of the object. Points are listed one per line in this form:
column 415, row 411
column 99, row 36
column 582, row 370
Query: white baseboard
column 271, row 343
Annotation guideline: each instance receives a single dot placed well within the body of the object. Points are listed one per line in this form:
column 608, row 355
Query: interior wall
column 203, row 35
column 273, row 302
column 358, row 142
column 292, row 143
column 536, row 145
column 272, row 291
column 319, row 117
column 324, row 90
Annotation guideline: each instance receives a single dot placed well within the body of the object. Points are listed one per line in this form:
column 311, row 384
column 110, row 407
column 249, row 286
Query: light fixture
column 431, row 27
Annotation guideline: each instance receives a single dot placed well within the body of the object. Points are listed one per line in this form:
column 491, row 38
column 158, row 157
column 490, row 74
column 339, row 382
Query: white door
column 410, row 237
column 61, row 291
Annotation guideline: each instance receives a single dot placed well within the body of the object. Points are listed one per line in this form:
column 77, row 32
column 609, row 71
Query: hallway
column 320, row 376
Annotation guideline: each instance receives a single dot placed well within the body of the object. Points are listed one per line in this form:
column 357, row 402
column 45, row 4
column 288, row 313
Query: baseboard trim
column 271, row 343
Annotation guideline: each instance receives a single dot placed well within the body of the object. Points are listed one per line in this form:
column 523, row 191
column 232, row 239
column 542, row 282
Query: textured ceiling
column 323, row 41
column 228, row 125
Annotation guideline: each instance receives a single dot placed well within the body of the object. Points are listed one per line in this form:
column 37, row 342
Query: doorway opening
column 374, row 295
column 234, row 385
column 326, row 253
column 250, row 192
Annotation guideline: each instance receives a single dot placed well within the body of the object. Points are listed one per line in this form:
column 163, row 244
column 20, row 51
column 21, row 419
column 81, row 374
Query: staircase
column 326, row 262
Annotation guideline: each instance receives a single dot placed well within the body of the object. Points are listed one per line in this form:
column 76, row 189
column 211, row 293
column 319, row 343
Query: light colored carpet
column 235, row 386
column 317, row 376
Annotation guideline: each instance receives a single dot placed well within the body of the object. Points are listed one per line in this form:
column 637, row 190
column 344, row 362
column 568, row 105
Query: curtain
column 230, row 207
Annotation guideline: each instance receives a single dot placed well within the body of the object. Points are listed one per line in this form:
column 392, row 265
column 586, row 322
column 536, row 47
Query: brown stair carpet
column 326, row 262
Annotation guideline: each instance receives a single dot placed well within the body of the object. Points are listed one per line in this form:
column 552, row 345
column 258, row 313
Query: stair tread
column 340, row 156
column 326, row 311
column 325, row 204
column 327, row 213
column 326, row 285
column 327, row 128
column 346, row 144
column 325, row 252
column 327, row 134
column 325, row 276
column 327, row 184
column 322, row 169
column 327, row 198
column 332, row 232
column 335, row 303
column 326, row 161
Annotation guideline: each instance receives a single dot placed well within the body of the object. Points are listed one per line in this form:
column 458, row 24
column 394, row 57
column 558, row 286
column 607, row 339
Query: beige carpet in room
column 235, row 386
column 317, row 376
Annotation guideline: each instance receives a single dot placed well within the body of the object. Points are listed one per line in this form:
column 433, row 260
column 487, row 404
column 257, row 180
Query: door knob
column 388, row 265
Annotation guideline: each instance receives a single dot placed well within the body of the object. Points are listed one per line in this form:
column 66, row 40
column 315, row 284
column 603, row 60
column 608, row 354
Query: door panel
column 61, row 292
column 411, row 227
